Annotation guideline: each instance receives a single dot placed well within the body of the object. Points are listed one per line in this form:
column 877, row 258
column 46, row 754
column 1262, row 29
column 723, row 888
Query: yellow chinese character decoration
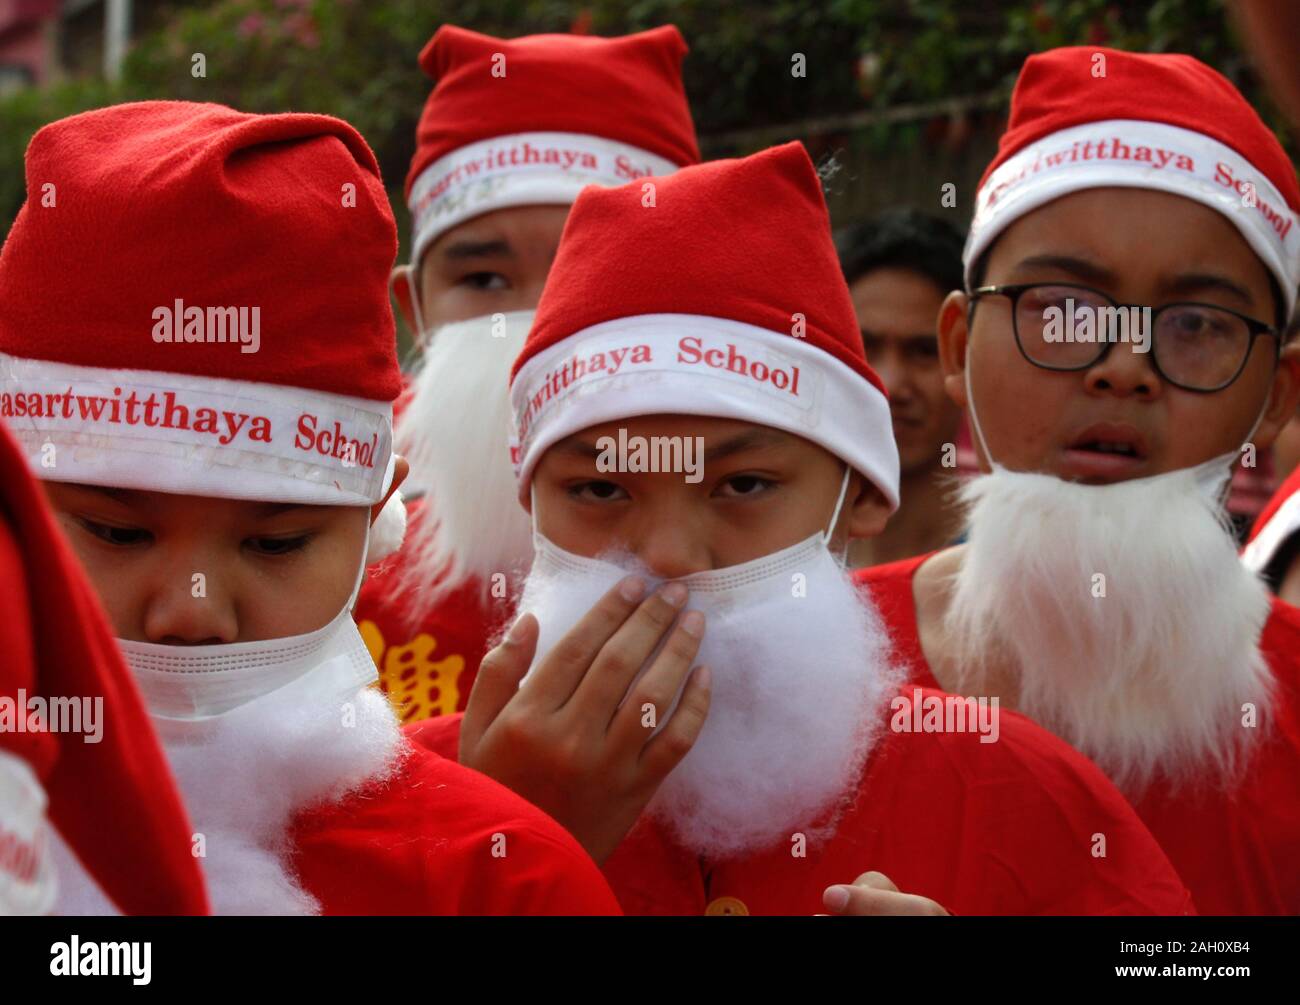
column 418, row 686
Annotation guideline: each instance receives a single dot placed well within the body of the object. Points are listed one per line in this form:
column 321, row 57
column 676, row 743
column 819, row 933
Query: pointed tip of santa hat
column 1091, row 117
column 712, row 291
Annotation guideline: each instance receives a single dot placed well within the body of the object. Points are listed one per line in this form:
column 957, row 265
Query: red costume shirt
column 1013, row 827
column 441, row 839
column 1237, row 850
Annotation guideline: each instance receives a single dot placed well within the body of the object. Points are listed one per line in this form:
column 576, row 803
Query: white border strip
column 687, row 364
column 1284, row 522
column 519, row 169
column 219, row 437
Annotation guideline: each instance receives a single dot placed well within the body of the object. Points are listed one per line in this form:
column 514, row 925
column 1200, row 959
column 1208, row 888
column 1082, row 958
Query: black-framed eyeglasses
column 1195, row 346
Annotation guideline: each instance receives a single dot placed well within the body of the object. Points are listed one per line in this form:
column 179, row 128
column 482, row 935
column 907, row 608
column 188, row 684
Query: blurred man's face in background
column 897, row 311
column 494, row 263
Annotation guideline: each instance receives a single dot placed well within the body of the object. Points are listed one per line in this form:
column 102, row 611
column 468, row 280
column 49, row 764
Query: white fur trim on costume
column 175, row 432
column 521, row 169
column 688, row 364
column 1141, row 154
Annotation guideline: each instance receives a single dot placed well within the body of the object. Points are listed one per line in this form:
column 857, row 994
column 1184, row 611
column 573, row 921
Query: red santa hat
column 1088, row 117
column 112, row 800
column 196, row 302
column 530, row 121
column 714, row 291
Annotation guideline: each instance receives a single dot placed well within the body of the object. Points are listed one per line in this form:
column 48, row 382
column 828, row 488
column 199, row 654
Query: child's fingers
column 675, row 740
column 631, row 725
column 565, row 666
column 621, row 659
column 498, row 681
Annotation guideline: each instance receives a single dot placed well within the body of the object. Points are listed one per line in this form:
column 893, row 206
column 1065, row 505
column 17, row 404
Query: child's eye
column 122, row 537
column 278, row 545
column 745, row 485
column 485, row 281
column 596, row 491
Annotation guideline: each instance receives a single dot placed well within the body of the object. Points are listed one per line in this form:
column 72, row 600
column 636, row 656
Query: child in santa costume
column 699, row 436
column 513, row 130
column 1099, row 592
column 197, row 356
column 105, row 787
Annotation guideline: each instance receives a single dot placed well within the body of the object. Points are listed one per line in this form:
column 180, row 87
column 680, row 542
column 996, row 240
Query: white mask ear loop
column 361, row 572
column 843, row 557
column 532, row 512
column 413, row 287
column 970, row 407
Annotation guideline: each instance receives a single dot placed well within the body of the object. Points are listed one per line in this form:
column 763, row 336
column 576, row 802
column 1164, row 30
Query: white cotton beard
column 799, row 690
column 455, row 433
column 245, row 779
column 1151, row 679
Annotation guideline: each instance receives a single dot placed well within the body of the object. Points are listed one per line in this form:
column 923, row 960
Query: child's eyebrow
column 460, row 250
column 276, row 508
column 124, row 497
column 1180, row 285
column 1192, row 281
column 1079, row 267
column 749, row 440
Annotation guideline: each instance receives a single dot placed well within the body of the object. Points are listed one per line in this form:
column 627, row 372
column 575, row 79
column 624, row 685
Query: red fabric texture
column 627, row 89
column 114, row 801
column 619, row 258
column 1235, row 849
column 1003, row 829
column 1057, row 89
column 161, row 201
column 441, row 839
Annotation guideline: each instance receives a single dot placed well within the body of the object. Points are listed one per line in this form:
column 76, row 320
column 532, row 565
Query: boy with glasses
column 1099, row 592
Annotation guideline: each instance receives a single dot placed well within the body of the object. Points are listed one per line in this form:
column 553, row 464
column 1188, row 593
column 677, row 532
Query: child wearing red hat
column 512, row 131
column 104, row 786
column 209, row 407
column 697, row 425
column 1133, row 260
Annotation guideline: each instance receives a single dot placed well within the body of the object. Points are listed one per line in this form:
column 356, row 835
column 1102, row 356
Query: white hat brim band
column 521, row 169
column 687, row 364
column 1127, row 153
column 179, row 433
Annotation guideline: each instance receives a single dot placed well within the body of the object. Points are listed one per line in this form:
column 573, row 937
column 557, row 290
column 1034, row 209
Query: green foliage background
column 357, row 58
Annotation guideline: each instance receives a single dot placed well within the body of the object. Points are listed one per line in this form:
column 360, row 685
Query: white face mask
column 1122, row 612
column 801, row 664
column 191, row 684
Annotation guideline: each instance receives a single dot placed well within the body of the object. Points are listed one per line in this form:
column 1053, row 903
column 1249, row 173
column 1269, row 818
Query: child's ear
column 1283, row 395
column 400, row 470
column 953, row 335
column 399, row 285
column 868, row 510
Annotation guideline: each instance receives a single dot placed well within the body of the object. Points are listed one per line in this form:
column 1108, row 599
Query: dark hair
column 903, row 239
